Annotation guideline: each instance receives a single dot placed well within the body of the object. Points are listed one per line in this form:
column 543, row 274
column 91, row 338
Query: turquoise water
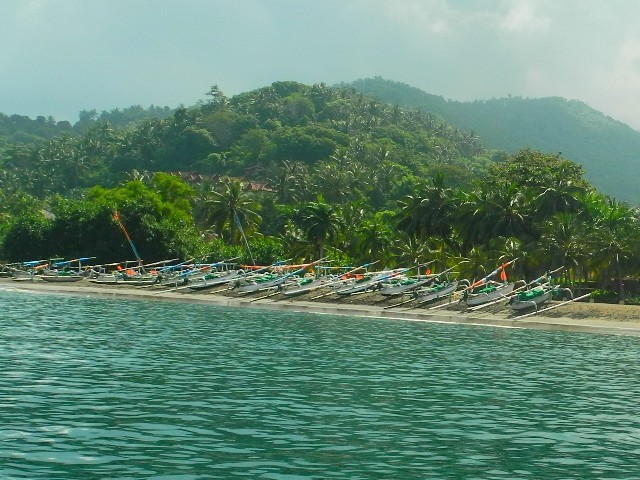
column 96, row 388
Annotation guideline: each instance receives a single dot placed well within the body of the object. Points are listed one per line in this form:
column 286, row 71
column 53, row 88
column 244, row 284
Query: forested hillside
column 609, row 150
column 20, row 129
column 336, row 134
column 300, row 171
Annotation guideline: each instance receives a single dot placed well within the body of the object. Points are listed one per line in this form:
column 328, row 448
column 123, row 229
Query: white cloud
column 425, row 16
column 521, row 17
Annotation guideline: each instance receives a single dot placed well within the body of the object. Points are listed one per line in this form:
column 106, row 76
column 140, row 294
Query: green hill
column 334, row 135
column 609, row 150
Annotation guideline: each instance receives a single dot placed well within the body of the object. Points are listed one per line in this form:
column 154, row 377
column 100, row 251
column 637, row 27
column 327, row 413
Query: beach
column 576, row 316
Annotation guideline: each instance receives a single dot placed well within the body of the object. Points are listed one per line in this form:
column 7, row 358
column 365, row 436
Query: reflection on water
column 94, row 388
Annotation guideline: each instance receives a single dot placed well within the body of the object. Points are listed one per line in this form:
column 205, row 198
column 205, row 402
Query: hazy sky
column 58, row 57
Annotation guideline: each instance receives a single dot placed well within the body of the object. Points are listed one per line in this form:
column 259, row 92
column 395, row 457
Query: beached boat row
column 314, row 280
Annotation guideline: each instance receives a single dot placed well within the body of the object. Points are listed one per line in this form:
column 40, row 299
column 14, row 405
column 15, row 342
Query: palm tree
column 495, row 210
column 373, row 239
column 564, row 242
column 231, row 211
column 290, row 181
column 616, row 238
column 320, row 223
column 409, row 250
column 413, row 210
column 428, row 213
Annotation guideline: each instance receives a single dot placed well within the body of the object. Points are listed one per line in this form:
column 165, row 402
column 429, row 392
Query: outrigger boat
column 311, row 283
column 62, row 272
column 308, row 284
column 535, row 297
column 63, row 277
column 215, row 279
column 435, row 292
column 400, row 284
column 131, row 275
column 271, row 280
column 198, row 276
column 488, row 293
column 370, row 282
column 26, row 271
column 489, row 290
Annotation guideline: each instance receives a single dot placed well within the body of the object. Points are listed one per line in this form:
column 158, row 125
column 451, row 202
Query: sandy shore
column 577, row 316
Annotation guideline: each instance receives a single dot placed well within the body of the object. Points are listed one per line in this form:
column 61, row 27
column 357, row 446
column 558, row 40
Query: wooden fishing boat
column 362, row 284
column 488, row 293
column 26, row 271
column 216, row 279
column 261, row 282
column 531, row 298
column 66, row 271
column 307, row 284
column 23, row 276
column 536, row 296
column 124, row 277
column 402, row 285
column 62, row 277
column 371, row 281
column 435, row 292
column 272, row 280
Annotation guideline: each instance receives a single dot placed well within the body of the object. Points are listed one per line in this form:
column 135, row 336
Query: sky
column 58, row 57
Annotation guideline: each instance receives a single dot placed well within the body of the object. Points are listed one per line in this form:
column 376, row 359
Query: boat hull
column 475, row 299
column 390, row 290
column 62, row 278
column 206, row 284
column 298, row 289
column 436, row 294
column 533, row 302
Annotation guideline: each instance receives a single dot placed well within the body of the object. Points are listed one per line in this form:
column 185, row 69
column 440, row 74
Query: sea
column 101, row 388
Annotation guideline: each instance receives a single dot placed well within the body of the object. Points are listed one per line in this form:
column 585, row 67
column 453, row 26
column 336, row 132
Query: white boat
column 123, row 278
column 435, row 292
column 261, row 282
column 62, row 277
column 104, row 278
column 488, row 293
column 23, row 276
column 530, row 299
column 363, row 284
column 402, row 285
column 269, row 280
column 215, row 280
column 535, row 297
column 307, row 284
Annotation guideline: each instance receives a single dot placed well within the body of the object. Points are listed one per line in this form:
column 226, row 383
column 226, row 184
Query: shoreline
column 575, row 317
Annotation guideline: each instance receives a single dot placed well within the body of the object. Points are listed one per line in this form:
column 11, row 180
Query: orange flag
column 503, row 275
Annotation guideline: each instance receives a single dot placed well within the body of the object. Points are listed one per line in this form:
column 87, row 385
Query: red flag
column 503, row 275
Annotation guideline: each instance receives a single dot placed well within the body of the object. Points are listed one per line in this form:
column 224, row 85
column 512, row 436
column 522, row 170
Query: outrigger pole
column 553, row 306
column 116, row 218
